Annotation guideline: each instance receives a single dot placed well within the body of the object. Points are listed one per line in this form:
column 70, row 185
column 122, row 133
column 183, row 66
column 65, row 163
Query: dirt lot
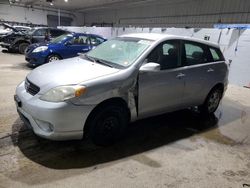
column 180, row 149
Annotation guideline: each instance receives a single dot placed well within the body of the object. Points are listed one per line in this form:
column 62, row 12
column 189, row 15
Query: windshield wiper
column 89, row 58
column 100, row 61
column 103, row 62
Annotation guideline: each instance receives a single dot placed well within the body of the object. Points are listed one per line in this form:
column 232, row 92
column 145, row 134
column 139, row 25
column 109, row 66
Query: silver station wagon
column 128, row 78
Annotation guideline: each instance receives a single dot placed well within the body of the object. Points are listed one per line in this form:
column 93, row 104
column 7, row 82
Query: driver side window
column 167, row 54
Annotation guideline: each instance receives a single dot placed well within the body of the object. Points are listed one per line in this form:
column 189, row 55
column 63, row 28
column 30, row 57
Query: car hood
column 67, row 72
column 13, row 28
column 4, row 31
column 35, row 45
column 10, row 27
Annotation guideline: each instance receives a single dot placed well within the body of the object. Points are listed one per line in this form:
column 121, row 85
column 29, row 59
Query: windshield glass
column 61, row 38
column 121, row 52
column 30, row 32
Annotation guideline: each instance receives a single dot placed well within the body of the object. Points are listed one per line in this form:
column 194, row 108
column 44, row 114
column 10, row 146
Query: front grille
column 31, row 88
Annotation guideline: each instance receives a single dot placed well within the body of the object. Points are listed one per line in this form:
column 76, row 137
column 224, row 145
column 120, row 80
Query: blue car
column 62, row 47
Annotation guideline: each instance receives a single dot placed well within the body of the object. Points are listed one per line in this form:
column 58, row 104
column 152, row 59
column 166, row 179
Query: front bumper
column 35, row 59
column 5, row 45
column 65, row 120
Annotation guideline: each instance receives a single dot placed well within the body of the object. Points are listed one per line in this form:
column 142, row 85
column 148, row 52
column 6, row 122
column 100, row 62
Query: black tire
column 108, row 124
column 53, row 57
column 212, row 101
column 22, row 47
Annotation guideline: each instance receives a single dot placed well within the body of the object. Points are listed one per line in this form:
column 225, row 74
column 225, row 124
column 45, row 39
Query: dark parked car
column 62, row 47
column 19, row 40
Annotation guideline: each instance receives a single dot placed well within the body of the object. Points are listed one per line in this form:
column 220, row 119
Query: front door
column 161, row 91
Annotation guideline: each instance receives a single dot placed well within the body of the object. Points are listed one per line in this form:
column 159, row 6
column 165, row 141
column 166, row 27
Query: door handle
column 210, row 70
column 180, row 75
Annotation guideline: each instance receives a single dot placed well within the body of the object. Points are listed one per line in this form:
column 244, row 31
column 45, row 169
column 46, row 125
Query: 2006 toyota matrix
column 124, row 79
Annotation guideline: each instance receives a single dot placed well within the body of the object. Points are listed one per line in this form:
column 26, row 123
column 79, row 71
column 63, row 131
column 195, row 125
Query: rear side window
column 80, row 40
column 196, row 53
column 216, row 54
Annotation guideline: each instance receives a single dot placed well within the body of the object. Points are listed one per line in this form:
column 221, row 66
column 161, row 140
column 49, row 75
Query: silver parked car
column 124, row 79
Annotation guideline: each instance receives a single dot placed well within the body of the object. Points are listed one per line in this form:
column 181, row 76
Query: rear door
column 200, row 71
column 161, row 91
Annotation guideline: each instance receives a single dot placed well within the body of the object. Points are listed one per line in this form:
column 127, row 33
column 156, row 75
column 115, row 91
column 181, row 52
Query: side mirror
column 150, row 67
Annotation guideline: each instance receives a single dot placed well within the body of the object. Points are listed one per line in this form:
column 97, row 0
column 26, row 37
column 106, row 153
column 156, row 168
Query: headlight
column 62, row 93
column 40, row 49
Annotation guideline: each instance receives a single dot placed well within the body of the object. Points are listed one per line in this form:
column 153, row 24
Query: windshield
column 61, row 38
column 121, row 52
column 31, row 31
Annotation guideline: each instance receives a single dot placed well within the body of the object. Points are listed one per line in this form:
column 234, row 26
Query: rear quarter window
column 216, row 54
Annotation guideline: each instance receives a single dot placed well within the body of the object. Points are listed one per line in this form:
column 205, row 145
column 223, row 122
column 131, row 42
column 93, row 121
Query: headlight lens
column 40, row 49
column 62, row 93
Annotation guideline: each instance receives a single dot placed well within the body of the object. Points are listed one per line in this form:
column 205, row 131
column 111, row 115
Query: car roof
column 48, row 28
column 87, row 34
column 73, row 33
column 160, row 37
column 94, row 35
column 20, row 26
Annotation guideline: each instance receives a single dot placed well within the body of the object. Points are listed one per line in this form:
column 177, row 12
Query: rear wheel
column 52, row 58
column 22, row 47
column 108, row 124
column 212, row 101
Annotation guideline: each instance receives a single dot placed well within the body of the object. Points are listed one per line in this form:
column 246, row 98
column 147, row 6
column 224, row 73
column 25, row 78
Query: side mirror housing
column 150, row 67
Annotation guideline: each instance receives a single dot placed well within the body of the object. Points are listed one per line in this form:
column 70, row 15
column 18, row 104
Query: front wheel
column 108, row 125
column 22, row 47
column 212, row 101
column 52, row 58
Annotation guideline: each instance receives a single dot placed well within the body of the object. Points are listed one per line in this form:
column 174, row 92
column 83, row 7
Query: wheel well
column 21, row 41
column 220, row 86
column 54, row 54
column 113, row 101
